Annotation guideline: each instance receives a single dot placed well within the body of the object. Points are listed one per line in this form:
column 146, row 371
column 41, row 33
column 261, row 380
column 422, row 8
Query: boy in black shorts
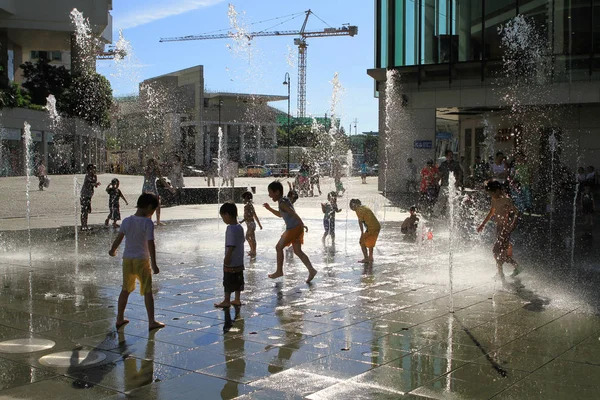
column 87, row 191
column 233, row 263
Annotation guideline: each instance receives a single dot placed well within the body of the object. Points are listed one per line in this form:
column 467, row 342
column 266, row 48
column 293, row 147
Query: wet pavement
column 381, row 331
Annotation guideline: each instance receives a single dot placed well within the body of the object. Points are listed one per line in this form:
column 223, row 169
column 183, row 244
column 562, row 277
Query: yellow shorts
column 137, row 268
column 292, row 235
column 369, row 238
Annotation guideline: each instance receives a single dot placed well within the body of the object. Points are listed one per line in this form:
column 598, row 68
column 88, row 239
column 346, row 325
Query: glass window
column 411, row 28
column 497, row 12
column 56, row 56
column 400, row 31
column 572, row 28
column 596, row 27
column 428, row 31
column 383, row 42
column 35, row 55
column 468, row 28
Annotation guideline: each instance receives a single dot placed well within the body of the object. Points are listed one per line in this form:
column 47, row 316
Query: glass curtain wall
column 421, row 32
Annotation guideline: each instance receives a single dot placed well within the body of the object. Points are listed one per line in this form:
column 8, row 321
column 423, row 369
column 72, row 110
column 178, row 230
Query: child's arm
column 361, row 226
column 323, row 205
column 256, row 217
column 486, row 220
column 228, row 256
column 275, row 212
column 124, row 199
column 113, row 250
column 152, row 250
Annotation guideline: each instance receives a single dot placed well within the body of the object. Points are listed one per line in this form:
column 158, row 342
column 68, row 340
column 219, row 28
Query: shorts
column 115, row 213
column 329, row 226
column 86, row 205
column 293, row 235
column 137, row 268
column 233, row 281
column 502, row 248
column 369, row 238
column 250, row 228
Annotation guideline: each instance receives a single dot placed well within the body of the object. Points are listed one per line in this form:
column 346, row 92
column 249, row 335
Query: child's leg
column 371, row 254
column 158, row 213
column 107, row 220
column 252, row 242
column 226, row 301
column 305, row 260
column 279, row 271
column 363, row 248
column 237, row 301
column 149, row 302
column 123, row 297
column 84, row 217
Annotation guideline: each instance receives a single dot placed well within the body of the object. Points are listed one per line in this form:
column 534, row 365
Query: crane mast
column 350, row 30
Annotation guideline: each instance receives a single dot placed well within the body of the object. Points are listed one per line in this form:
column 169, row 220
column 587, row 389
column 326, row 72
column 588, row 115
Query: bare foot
column 223, row 304
column 236, row 303
column 160, row 224
column 311, row 275
column 119, row 324
column 276, row 274
column 155, row 325
column 251, row 254
column 364, row 260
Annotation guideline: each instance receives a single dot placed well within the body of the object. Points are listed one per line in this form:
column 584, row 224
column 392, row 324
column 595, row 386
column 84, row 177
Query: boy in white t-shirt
column 233, row 263
column 139, row 254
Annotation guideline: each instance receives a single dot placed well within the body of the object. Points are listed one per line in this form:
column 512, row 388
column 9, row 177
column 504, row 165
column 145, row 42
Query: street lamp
column 220, row 104
column 286, row 81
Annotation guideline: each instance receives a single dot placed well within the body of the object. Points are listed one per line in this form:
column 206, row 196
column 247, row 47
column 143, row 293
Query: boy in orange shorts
column 139, row 254
column 369, row 229
column 294, row 230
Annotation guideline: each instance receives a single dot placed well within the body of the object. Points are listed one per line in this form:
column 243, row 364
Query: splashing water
column 451, row 201
column 575, row 195
column 28, row 142
column 75, row 204
column 52, row 112
column 392, row 93
column 84, row 39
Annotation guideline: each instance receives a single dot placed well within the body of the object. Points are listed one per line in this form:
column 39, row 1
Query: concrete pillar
column 408, row 123
column 242, row 144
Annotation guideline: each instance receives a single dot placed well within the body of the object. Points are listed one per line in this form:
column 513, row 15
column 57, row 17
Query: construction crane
column 347, row 30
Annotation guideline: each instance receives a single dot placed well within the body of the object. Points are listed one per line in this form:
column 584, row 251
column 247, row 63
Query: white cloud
column 159, row 11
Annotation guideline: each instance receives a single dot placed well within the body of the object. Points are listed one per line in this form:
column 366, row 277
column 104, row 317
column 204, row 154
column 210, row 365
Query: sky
column 258, row 66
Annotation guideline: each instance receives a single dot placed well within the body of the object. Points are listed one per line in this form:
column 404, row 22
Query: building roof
column 249, row 96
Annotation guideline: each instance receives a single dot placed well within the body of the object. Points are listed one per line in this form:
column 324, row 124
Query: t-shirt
column 365, row 215
column 330, row 211
column 114, row 194
column 137, row 231
column 445, row 168
column 89, row 183
column 234, row 237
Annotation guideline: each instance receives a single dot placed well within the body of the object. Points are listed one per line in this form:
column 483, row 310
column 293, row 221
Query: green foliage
column 14, row 96
column 89, row 98
column 42, row 79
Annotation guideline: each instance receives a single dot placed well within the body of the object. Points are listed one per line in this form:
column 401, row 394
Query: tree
column 89, row 98
column 42, row 79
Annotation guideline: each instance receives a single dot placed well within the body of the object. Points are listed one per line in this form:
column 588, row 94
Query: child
column 505, row 214
column 369, row 229
column 87, row 191
column 587, row 205
column 249, row 218
column 409, row 226
column 233, row 263
column 329, row 210
column 292, row 193
column 139, row 255
column 294, row 233
column 114, row 194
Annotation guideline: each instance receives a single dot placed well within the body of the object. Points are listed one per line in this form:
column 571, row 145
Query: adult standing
column 411, row 182
column 151, row 175
column 499, row 168
column 429, row 185
column 449, row 165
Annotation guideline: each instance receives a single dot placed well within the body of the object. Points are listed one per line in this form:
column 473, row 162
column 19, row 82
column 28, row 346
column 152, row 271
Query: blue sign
column 443, row 135
column 423, row 144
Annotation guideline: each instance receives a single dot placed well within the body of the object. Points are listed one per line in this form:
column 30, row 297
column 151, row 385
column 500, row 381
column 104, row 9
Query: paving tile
column 297, row 382
column 335, row 367
column 14, row 374
column 426, row 364
column 60, row 388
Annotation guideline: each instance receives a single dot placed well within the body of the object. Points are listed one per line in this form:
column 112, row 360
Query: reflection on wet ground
column 380, row 331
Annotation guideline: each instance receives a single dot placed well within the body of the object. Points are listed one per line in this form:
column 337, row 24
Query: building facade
column 174, row 114
column 34, row 29
column 480, row 76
